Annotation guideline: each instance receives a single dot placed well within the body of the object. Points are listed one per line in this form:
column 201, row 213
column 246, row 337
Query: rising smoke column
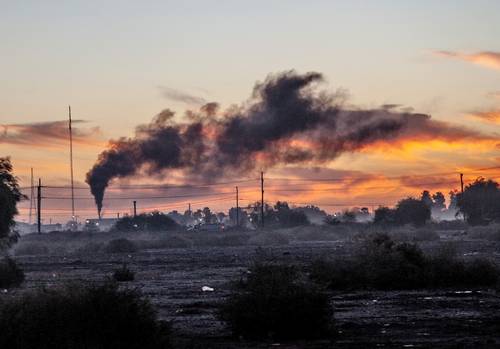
column 286, row 120
column 160, row 145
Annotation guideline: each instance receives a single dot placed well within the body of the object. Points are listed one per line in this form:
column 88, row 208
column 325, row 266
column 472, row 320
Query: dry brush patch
column 273, row 302
column 81, row 316
column 386, row 265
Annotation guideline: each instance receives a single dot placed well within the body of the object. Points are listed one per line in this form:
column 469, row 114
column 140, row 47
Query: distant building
column 25, row 228
column 103, row 224
column 209, row 227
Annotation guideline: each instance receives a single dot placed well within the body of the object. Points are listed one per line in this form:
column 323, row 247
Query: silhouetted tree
column 348, row 216
column 198, row 215
column 480, row 202
column 412, row 211
column 155, row 221
column 289, row 217
column 208, row 216
column 242, row 216
column 453, row 200
column 384, row 215
column 439, row 201
column 427, row 199
column 10, row 195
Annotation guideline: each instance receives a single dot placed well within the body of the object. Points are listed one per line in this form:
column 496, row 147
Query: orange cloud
column 488, row 59
column 490, row 116
column 494, row 95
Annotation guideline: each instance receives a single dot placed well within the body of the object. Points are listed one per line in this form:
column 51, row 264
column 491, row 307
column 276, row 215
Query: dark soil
column 173, row 280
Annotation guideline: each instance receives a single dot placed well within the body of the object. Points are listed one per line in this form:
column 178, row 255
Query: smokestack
column 135, row 208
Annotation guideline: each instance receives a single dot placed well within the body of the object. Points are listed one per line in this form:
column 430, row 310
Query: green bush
column 272, row 303
column 81, row 317
column 121, row 245
column 10, row 273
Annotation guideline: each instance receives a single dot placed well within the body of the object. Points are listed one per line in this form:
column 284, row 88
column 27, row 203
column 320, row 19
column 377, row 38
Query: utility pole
column 135, row 208
column 32, row 194
column 118, row 215
column 71, row 166
column 237, row 209
column 262, row 198
column 39, row 205
column 189, row 209
column 462, row 188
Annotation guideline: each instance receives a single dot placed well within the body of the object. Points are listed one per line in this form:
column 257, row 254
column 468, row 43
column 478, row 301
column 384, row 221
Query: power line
column 338, row 179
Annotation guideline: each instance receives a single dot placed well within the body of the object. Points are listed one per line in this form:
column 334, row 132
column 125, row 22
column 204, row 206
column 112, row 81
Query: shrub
column 407, row 211
column 81, row 316
column 272, row 303
column 31, row 249
column 89, row 248
column 155, row 221
column 489, row 232
column 412, row 211
column 268, row 238
column 164, row 243
column 10, row 273
column 385, row 265
column 123, row 274
column 121, row 246
column 384, row 215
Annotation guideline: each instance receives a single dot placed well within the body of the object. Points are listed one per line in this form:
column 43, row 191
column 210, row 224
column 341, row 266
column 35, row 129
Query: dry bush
column 174, row 241
column 316, row 233
column 89, row 248
column 411, row 234
column 386, row 265
column 121, row 245
column 268, row 238
column 31, row 249
column 488, row 232
column 81, row 317
column 11, row 275
column 273, row 303
column 123, row 274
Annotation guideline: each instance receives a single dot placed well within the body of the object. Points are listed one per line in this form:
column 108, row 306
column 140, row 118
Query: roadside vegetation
column 121, row 245
column 383, row 264
column 155, row 221
column 81, row 316
column 11, row 274
column 123, row 274
column 275, row 302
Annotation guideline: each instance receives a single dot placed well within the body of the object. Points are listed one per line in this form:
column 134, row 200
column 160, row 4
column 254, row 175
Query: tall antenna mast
column 71, row 165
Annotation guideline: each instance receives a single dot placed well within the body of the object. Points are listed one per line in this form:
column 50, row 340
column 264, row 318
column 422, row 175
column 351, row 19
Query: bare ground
column 173, row 280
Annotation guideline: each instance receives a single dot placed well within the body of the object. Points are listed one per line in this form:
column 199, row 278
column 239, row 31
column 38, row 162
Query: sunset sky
column 120, row 63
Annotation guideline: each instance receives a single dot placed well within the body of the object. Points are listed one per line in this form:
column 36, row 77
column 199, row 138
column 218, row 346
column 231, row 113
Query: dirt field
column 173, row 279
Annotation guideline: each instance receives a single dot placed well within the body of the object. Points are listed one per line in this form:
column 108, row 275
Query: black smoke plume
column 287, row 120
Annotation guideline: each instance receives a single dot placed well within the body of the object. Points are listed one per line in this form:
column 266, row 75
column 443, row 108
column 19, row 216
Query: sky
column 120, row 63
